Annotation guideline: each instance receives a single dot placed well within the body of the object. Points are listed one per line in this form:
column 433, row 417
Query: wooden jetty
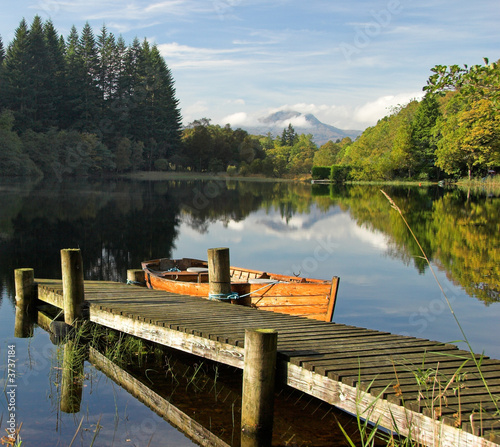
column 426, row 389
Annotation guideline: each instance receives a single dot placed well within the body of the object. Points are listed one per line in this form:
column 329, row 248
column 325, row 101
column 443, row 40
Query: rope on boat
column 223, row 296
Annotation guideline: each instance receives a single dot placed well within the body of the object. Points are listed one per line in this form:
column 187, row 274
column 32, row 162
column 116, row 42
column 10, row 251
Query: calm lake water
column 312, row 230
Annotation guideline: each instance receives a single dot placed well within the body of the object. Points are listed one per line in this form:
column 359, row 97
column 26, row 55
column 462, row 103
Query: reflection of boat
column 311, row 298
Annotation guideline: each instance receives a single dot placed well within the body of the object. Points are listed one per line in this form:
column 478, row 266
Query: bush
column 244, row 170
column 232, row 170
column 161, row 164
column 321, row 172
column 340, row 173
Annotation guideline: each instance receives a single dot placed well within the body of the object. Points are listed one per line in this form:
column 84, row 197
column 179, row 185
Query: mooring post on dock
column 72, row 281
column 25, row 302
column 259, row 373
column 25, row 287
column 136, row 277
column 219, row 274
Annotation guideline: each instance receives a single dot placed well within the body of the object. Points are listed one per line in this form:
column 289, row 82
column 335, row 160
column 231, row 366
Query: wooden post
column 72, row 280
column 257, row 408
column 136, row 277
column 219, row 276
column 25, row 302
column 25, row 287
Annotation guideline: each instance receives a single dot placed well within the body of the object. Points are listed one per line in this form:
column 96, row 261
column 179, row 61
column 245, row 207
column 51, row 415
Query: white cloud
column 371, row 112
column 296, row 121
column 238, row 119
column 189, row 57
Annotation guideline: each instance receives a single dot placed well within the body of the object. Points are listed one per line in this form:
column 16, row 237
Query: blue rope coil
column 223, row 296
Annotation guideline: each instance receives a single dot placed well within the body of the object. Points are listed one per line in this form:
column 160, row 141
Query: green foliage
column 63, row 153
column 13, row 159
column 213, row 148
column 469, row 139
column 161, row 164
column 232, row 170
column 321, row 172
column 340, row 173
column 301, row 156
column 327, row 154
column 123, row 154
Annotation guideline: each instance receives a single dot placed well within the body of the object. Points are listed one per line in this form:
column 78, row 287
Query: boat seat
column 262, row 281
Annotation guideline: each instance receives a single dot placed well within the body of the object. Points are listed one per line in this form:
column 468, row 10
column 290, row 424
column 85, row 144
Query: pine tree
column 289, row 137
column 55, row 52
column 73, row 100
column 2, row 51
column 39, row 67
column 16, row 83
column 167, row 117
column 91, row 95
column 2, row 79
column 127, row 94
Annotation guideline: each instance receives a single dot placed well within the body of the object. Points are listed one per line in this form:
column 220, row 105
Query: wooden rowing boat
column 311, row 298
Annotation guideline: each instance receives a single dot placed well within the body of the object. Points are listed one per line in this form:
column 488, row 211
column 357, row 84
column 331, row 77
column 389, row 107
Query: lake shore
column 153, row 176
column 490, row 185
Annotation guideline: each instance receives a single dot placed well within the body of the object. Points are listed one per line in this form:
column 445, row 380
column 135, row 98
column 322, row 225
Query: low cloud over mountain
column 302, row 123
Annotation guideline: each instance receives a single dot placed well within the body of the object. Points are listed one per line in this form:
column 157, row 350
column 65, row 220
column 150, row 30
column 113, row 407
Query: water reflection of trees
column 458, row 232
column 117, row 224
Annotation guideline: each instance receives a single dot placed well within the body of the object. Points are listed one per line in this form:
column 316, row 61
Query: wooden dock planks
column 398, row 378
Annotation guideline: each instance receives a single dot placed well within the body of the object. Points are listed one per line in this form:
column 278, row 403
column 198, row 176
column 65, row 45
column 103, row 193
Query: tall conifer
column 2, row 51
column 56, row 62
column 73, row 102
column 2, row 79
column 17, row 84
column 92, row 97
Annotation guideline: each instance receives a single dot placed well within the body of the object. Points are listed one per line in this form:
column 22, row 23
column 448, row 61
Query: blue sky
column 236, row 60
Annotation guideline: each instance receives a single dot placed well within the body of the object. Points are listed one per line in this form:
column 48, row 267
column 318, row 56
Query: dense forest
column 88, row 105
column 84, row 104
column 454, row 131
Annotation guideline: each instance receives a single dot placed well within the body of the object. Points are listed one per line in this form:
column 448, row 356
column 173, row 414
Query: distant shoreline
column 153, row 176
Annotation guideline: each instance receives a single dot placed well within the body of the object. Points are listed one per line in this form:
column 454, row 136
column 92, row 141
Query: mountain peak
column 281, row 115
column 302, row 123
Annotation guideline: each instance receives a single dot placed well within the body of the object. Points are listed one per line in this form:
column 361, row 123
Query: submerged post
column 259, row 372
column 72, row 280
column 219, row 275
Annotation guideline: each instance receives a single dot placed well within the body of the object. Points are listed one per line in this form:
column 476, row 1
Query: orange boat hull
column 311, row 298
